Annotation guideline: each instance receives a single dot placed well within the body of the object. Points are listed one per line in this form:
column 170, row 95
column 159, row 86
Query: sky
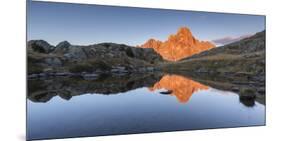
column 82, row 24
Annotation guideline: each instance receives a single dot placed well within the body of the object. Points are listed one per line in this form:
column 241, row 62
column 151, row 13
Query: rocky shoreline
column 117, row 71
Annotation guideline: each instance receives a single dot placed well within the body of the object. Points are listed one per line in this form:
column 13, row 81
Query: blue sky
column 90, row 24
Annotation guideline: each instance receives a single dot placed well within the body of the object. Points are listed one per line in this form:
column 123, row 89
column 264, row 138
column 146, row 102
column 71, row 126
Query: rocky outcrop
column 39, row 46
column 62, row 47
column 102, row 58
column 179, row 45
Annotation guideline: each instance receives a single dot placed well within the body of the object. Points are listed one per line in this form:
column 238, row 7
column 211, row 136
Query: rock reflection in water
column 180, row 86
column 66, row 88
column 135, row 103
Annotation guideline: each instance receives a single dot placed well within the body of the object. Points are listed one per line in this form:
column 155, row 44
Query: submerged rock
column 167, row 92
column 90, row 76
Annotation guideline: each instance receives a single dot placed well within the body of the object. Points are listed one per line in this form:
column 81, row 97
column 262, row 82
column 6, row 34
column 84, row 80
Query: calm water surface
column 121, row 106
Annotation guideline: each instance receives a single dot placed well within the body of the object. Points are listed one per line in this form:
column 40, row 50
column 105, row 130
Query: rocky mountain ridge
column 178, row 46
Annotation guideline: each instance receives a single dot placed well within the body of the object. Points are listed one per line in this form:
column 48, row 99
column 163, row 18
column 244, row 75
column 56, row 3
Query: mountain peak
column 179, row 45
column 184, row 31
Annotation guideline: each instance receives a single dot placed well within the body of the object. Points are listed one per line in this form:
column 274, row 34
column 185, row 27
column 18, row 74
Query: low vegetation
column 89, row 66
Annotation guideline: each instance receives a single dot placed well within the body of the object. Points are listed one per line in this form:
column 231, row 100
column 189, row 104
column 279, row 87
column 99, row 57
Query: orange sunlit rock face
column 179, row 86
column 179, row 45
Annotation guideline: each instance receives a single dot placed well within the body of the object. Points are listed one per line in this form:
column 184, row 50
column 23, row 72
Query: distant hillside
column 228, row 40
column 252, row 44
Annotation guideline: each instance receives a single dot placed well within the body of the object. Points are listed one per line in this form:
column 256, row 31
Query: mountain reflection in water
column 135, row 103
column 179, row 86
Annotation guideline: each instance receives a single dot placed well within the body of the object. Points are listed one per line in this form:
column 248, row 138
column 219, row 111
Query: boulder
column 53, row 61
